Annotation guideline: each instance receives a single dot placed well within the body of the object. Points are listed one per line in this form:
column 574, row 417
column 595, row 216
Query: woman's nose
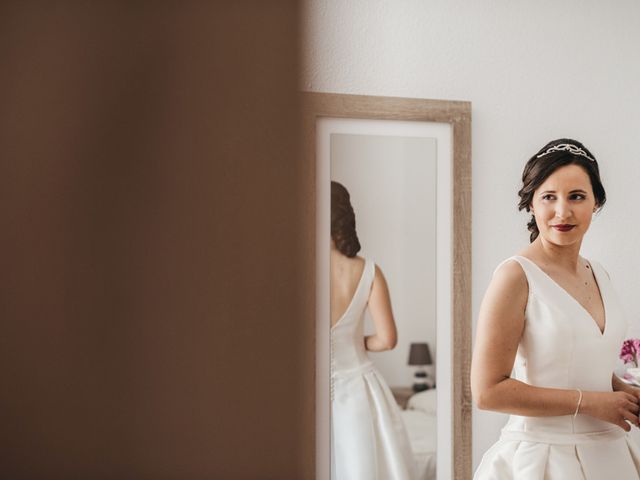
column 563, row 209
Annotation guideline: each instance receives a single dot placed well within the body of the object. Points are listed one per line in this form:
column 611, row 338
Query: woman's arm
column 386, row 335
column 499, row 329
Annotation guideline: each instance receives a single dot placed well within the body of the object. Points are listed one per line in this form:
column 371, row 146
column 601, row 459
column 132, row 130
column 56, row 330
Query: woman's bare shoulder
column 511, row 276
column 357, row 261
column 506, row 298
column 351, row 263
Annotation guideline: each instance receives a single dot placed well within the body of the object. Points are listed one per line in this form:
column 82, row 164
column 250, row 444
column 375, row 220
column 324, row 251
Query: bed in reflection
column 420, row 421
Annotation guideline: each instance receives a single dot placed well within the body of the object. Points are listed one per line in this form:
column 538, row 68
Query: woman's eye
column 548, row 196
column 577, row 196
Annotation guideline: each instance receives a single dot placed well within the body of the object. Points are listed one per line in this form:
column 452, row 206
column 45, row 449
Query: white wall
column 534, row 71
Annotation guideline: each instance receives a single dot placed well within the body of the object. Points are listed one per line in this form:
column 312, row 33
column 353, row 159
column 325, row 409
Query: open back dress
column 369, row 440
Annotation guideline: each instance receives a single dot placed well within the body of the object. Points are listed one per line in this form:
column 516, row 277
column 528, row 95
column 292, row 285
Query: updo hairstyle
column 546, row 161
column 343, row 221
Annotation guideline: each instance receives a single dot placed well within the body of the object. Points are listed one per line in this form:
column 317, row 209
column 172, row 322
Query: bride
column 369, row 440
column 552, row 317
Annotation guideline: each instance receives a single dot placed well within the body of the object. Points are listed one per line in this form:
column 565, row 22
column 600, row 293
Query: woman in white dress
column 369, row 440
column 552, row 318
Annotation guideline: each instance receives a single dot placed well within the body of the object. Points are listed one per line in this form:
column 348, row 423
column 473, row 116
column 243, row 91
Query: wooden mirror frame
column 458, row 115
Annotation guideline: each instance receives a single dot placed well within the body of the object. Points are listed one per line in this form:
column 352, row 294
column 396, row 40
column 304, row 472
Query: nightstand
column 402, row 395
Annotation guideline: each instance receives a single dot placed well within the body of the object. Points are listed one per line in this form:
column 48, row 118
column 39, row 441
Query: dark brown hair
column 540, row 167
column 343, row 221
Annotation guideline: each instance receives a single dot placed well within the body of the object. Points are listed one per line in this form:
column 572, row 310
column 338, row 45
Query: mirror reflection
column 383, row 307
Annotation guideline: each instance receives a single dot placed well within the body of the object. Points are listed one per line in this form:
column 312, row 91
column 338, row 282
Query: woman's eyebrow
column 576, row 190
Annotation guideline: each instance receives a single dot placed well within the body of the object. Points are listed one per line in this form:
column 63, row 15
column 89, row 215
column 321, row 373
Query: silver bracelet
column 579, row 402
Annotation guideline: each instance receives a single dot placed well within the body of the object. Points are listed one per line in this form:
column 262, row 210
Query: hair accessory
column 566, row 147
column 579, row 402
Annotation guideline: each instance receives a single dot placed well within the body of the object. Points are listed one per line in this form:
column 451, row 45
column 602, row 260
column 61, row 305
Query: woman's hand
column 612, row 407
column 635, row 391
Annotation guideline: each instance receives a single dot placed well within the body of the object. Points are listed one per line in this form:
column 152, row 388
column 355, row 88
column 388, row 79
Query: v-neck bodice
column 562, row 346
column 602, row 330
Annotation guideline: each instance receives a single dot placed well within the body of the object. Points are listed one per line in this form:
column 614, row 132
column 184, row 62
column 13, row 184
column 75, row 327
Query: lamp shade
column 419, row 354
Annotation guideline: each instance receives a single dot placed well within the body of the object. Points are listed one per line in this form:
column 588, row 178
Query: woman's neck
column 567, row 257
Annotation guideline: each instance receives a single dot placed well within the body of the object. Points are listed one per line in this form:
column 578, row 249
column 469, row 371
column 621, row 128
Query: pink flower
column 628, row 358
column 630, row 350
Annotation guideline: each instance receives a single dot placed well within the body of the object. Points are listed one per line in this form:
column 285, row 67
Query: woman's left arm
column 386, row 335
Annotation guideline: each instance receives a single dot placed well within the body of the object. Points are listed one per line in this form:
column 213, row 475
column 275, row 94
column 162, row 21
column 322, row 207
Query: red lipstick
column 563, row 227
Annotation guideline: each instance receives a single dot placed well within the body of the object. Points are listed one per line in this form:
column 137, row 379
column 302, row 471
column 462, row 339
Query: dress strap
column 370, row 267
column 361, row 295
column 600, row 269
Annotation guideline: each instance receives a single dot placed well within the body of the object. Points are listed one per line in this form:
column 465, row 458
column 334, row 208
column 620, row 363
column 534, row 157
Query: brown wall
column 152, row 306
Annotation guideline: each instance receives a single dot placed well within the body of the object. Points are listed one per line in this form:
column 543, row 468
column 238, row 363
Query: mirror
column 392, row 185
column 398, row 159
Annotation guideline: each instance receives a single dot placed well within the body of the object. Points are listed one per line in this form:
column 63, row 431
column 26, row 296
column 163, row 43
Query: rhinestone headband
column 567, row 147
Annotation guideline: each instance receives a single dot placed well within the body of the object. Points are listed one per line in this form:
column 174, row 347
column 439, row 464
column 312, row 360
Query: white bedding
column 420, row 421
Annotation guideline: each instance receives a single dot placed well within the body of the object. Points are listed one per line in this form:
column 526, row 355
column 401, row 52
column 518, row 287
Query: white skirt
column 369, row 440
column 543, row 456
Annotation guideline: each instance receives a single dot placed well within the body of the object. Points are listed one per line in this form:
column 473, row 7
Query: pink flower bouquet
column 630, row 351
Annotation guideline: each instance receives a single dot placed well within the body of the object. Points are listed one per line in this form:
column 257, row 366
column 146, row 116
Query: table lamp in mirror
column 420, row 357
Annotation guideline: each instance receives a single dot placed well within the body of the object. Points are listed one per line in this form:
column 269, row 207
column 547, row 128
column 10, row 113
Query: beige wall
column 152, row 307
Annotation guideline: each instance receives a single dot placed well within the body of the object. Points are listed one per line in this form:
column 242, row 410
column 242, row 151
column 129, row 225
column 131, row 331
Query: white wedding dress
column 369, row 440
column 563, row 347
